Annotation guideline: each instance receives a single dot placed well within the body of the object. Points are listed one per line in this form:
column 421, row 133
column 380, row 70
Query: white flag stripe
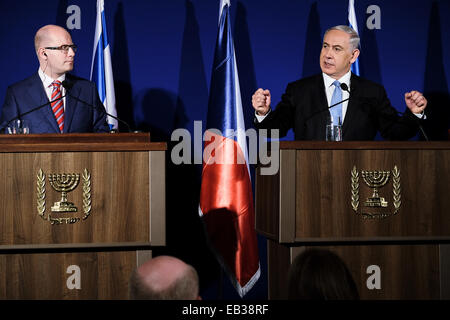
column 105, row 73
column 98, row 31
column 241, row 137
column 223, row 3
column 352, row 15
column 353, row 24
column 110, row 102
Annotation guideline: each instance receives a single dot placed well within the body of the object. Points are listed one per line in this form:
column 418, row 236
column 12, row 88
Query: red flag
column 226, row 197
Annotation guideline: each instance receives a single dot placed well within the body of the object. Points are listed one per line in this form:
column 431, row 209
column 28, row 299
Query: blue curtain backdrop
column 162, row 53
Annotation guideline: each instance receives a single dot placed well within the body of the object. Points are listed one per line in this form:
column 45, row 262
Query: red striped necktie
column 58, row 105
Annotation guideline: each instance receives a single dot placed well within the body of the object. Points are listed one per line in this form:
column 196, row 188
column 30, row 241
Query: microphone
column 68, row 85
column 417, row 120
column 29, row 111
column 343, row 87
column 421, row 129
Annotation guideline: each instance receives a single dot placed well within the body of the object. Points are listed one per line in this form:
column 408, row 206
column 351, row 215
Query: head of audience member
column 339, row 51
column 164, row 278
column 55, row 50
column 318, row 274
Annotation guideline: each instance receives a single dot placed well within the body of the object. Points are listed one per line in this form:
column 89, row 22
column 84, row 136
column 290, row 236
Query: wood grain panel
column 267, row 204
column 406, row 271
column 278, row 260
column 444, row 259
column 409, row 247
column 157, row 196
column 119, row 194
column 287, row 196
column 103, row 275
column 365, row 145
column 324, row 211
column 79, row 142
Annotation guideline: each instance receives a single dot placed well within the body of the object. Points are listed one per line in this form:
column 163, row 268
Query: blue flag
column 101, row 68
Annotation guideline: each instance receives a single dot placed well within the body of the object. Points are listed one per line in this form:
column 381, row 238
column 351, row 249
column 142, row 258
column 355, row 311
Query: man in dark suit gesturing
column 55, row 51
column 304, row 105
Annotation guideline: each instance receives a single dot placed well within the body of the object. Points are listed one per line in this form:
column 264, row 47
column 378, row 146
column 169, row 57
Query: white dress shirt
column 329, row 90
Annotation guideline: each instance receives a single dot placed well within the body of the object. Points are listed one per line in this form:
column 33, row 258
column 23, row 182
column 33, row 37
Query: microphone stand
column 68, row 86
column 29, row 111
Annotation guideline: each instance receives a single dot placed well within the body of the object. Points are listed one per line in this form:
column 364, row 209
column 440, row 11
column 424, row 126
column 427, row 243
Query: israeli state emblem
column 63, row 211
column 376, row 205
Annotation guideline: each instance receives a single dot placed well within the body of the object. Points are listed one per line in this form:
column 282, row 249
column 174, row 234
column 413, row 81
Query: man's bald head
column 47, row 34
column 53, row 60
column 164, row 278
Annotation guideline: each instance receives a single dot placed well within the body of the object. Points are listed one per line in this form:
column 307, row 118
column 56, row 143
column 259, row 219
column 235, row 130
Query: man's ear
column 42, row 53
column 355, row 55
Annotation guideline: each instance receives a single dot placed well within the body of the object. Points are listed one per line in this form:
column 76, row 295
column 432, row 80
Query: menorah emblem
column 64, row 183
column 375, row 180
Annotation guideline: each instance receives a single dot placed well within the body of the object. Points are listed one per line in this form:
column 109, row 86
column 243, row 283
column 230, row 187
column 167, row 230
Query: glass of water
column 333, row 132
column 18, row 127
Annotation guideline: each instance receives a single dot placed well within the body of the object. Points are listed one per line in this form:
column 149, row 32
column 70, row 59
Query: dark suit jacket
column 303, row 107
column 78, row 116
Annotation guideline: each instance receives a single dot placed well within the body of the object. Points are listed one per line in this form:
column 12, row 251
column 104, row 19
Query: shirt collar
column 328, row 81
column 46, row 80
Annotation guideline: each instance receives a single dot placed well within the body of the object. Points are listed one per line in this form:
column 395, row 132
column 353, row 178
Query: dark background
column 162, row 54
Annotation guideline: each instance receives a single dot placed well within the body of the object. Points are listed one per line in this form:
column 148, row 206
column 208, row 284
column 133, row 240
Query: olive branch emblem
column 396, row 191
column 355, row 189
column 86, row 193
column 41, row 197
column 41, row 194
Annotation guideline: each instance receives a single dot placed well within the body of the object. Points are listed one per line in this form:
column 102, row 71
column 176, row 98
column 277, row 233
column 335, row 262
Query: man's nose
column 328, row 53
column 71, row 52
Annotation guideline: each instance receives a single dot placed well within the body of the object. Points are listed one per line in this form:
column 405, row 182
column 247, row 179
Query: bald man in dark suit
column 55, row 51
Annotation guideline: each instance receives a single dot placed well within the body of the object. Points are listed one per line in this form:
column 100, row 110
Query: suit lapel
column 71, row 105
column 38, row 94
column 322, row 104
column 352, row 105
column 36, row 90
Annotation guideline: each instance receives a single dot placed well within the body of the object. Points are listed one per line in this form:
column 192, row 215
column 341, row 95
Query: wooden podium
column 78, row 213
column 393, row 232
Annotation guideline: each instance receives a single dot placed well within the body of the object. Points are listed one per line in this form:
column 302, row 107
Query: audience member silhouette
column 164, row 278
column 318, row 274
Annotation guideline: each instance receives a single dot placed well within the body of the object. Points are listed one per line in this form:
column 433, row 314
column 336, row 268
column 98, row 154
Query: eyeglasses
column 64, row 47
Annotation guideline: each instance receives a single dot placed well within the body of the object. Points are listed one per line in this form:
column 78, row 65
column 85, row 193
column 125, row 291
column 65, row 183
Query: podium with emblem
column 79, row 213
column 381, row 206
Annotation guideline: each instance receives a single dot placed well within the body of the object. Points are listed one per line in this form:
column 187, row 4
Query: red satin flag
column 226, row 197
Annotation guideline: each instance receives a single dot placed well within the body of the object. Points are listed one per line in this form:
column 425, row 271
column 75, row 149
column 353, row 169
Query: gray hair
column 354, row 37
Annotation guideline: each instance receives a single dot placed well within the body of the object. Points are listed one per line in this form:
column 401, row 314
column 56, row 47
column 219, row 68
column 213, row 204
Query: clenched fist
column 261, row 101
column 415, row 101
